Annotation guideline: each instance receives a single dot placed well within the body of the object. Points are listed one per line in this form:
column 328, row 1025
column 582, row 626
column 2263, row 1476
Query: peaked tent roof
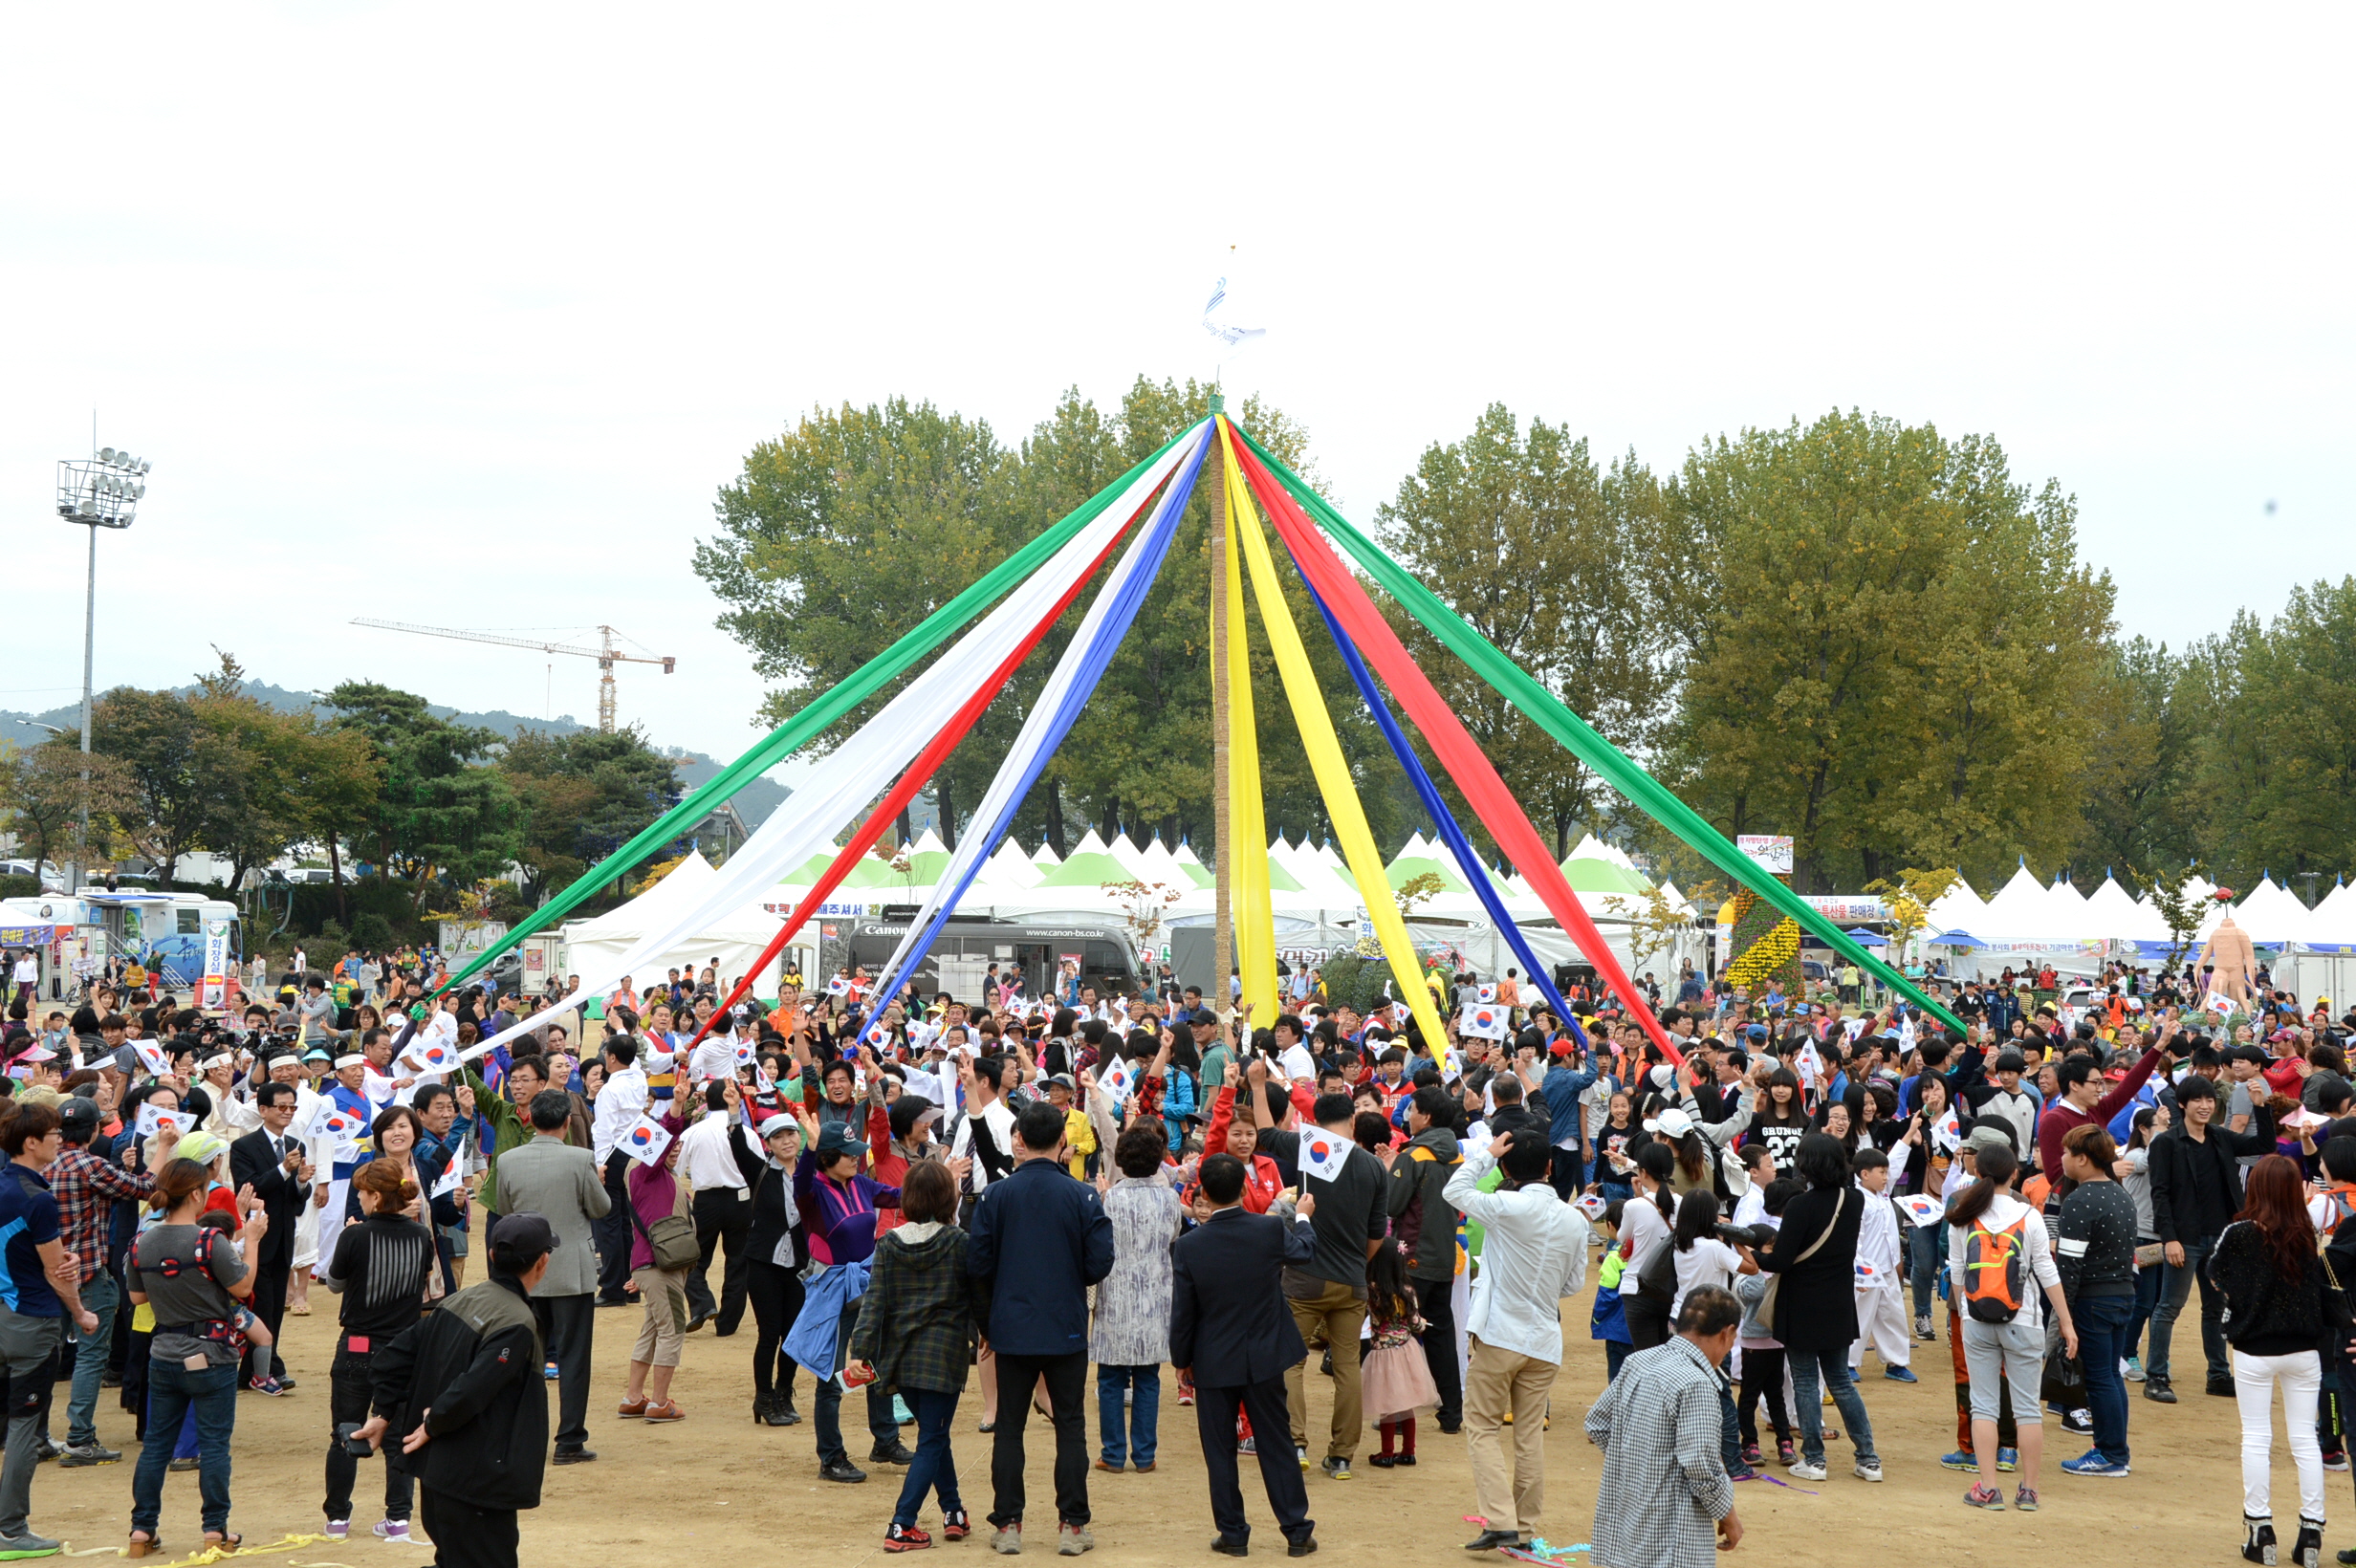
column 1087, row 868
column 1046, row 855
column 2273, row 914
column 2114, row 916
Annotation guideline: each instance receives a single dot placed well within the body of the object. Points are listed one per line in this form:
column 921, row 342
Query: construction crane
column 605, row 655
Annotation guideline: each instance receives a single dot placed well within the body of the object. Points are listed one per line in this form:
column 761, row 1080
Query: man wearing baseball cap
column 463, row 1395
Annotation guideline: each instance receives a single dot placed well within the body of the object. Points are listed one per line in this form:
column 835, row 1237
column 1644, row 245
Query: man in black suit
column 1230, row 1329
column 275, row 1166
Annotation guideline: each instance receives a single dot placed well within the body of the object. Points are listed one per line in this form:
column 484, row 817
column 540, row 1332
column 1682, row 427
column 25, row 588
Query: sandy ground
column 715, row 1485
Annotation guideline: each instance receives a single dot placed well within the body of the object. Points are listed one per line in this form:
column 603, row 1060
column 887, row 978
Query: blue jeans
column 172, row 1391
column 2174, row 1290
column 934, row 1468
column 2102, row 1323
column 1922, row 1263
column 2146, row 1300
column 1812, row 1372
column 101, row 1295
column 1128, row 1434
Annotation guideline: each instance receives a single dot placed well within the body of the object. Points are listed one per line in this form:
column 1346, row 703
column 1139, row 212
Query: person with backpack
column 1997, row 1246
column 2281, row 1308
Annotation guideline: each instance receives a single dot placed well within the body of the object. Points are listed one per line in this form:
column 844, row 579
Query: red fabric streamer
column 1467, row 764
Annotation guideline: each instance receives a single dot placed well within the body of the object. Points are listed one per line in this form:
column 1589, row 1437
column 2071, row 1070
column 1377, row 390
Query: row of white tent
column 2027, row 913
column 1314, row 899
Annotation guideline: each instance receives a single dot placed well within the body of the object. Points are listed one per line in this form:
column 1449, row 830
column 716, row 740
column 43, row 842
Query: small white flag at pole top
column 1234, row 336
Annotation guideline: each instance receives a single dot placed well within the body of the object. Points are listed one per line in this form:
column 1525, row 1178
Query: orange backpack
column 1993, row 1275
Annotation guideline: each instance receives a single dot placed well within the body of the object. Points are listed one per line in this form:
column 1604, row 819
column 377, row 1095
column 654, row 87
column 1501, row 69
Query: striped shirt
column 380, row 1269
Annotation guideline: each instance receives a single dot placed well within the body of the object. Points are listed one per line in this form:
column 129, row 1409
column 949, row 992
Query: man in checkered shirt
column 1665, row 1497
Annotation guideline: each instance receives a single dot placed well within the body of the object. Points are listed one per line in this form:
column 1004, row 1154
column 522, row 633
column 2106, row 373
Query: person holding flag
column 1328, row 1293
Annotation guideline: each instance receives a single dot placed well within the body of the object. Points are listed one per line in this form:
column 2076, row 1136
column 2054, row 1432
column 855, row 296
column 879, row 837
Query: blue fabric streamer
column 1444, row 820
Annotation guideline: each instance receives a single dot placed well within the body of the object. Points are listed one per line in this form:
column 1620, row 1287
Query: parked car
column 51, row 879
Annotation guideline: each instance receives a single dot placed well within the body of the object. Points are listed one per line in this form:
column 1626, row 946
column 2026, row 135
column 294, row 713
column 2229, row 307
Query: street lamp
column 102, row 492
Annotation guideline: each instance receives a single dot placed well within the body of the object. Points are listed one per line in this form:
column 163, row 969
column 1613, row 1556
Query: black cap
column 521, row 1239
column 79, row 1118
column 838, row 1141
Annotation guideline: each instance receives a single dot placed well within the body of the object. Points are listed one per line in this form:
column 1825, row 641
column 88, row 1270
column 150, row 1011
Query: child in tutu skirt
column 1397, row 1378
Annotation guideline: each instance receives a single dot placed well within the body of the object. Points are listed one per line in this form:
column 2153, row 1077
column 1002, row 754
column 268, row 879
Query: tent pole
column 1215, row 482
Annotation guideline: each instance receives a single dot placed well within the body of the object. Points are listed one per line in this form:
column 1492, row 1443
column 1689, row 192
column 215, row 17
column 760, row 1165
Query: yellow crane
column 605, row 654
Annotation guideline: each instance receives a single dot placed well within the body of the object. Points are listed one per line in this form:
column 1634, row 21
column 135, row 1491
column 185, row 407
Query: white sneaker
column 1803, row 1471
column 1867, row 1472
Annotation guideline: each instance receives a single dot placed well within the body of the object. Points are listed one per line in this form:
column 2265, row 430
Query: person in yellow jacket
column 1079, row 1133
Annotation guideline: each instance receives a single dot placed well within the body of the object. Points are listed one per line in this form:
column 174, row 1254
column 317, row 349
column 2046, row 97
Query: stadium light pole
column 102, row 491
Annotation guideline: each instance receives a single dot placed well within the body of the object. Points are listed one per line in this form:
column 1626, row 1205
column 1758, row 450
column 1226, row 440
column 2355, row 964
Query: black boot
column 2309, row 1552
column 781, row 1410
column 760, row 1409
column 2257, row 1543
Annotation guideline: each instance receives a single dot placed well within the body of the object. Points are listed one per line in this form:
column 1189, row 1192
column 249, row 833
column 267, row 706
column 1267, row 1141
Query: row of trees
column 1867, row 635
column 423, row 799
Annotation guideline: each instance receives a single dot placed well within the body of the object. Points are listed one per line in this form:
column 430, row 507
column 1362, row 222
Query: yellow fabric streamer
column 1247, row 815
column 1326, row 760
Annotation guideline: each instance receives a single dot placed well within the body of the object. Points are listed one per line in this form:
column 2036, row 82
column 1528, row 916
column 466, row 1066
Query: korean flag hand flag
column 744, row 1053
column 1486, row 993
column 837, row 986
column 1322, row 1154
column 644, row 1140
column 152, row 1056
column 1483, row 1021
column 430, row 1055
column 1117, row 1081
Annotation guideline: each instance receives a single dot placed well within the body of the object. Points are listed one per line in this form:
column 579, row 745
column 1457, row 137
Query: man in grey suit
column 559, row 1183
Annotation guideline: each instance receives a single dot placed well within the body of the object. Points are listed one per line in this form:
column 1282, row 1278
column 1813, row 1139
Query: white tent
column 1957, row 909
column 1091, row 844
column 2115, row 916
column 2272, row 914
column 2019, row 911
column 1159, row 864
column 650, row 911
column 1125, row 849
column 733, row 941
column 1011, row 867
column 1046, row 857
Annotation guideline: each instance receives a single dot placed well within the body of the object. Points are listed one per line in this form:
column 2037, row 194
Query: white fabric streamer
column 864, row 765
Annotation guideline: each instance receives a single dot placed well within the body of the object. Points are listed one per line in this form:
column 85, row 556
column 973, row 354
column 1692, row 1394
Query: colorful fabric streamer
column 918, row 772
column 796, row 732
column 1545, row 709
column 1475, row 776
column 1067, row 689
column 1247, row 818
column 1443, row 820
column 864, row 765
column 1318, row 740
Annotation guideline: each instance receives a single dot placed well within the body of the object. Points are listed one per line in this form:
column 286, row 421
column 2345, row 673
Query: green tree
column 1897, row 635
column 43, row 791
column 2141, row 755
column 1551, row 557
column 182, row 775
column 441, row 812
column 840, row 535
column 584, row 795
column 2278, row 756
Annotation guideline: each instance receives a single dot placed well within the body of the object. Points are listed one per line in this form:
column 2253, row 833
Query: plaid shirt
column 87, row 1189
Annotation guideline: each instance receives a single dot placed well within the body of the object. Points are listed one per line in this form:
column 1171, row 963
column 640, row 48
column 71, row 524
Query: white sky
column 459, row 316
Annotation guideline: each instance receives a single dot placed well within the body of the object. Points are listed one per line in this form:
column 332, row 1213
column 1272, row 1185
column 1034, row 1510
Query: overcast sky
column 459, row 316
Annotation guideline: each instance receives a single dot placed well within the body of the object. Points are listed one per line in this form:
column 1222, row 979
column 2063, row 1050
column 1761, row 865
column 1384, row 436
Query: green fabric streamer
column 1576, row 736
column 797, row 732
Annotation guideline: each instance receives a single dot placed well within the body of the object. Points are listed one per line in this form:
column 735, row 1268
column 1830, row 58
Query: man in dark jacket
column 2195, row 1193
column 1425, row 1222
column 276, row 1166
column 465, row 1386
column 1229, row 1331
column 1040, row 1239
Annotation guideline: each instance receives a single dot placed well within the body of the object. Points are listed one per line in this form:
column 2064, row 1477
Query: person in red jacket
column 1262, row 1179
column 2084, row 1100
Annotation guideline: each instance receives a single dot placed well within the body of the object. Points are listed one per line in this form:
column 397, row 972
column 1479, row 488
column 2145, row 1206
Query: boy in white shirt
column 1881, row 1310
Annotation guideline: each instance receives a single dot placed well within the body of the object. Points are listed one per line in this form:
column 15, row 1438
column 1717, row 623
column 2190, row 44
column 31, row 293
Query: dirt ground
column 715, row 1487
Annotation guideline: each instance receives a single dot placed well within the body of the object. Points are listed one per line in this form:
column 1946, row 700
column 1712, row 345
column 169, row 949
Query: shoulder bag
column 1767, row 1298
column 671, row 1239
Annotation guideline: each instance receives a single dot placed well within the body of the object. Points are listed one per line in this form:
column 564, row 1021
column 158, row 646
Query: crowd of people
column 918, row 1198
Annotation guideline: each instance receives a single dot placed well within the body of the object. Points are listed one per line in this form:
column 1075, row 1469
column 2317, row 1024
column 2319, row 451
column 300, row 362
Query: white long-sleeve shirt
column 1534, row 1253
column 618, row 1105
column 1878, row 1244
column 706, row 1158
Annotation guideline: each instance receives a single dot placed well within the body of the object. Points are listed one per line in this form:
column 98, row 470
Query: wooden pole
column 1222, row 939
